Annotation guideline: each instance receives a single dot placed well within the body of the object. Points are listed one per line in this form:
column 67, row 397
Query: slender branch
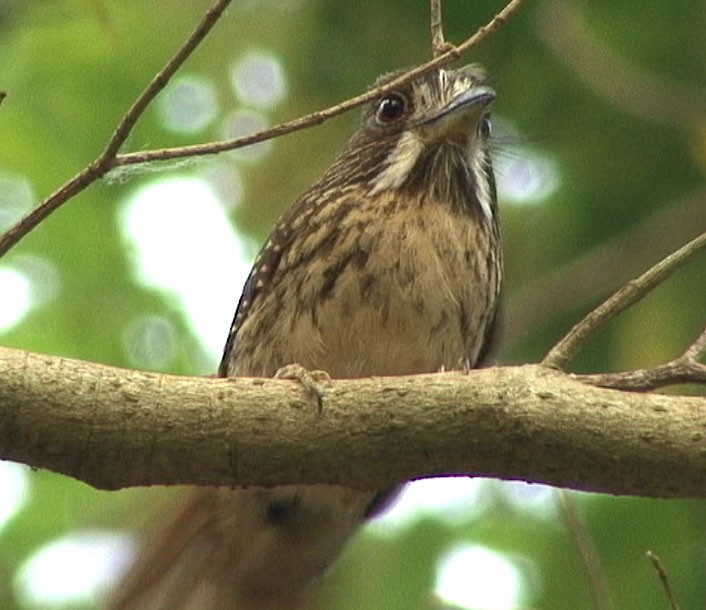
column 644, row 380
column 162, row 78
column 3, row 95
column 320, row 116
column 438, row 44
column 110, row 428
column 664, row 579
column 597, row 581
column 696, row 349
column 106, row 160
column 635, row 290
column 584, row 279
column 104, row 163
column 684, row 369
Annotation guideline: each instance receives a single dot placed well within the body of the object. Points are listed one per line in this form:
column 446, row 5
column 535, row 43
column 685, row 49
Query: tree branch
column 109, row 160
column 316, row 118
column 115, row 428
column 160, row 80
column 684, row 369
column 106, row 160
column 634, row 291
column 584, row 279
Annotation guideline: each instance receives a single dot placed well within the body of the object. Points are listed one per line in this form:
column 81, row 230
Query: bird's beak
column 464, row 108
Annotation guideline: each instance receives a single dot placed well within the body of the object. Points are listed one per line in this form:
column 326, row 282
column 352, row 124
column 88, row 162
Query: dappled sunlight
column 183, row 242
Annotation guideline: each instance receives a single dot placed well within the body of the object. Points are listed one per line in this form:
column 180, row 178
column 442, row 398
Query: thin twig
column 162, row 78
column 597, row 581
column 106, row 160
column 644, row 380
column 3, row 95
column 316, row 118
column 664, row 578
column 684, row 369
column 438, row 44
column 635, row 290
column 102, row 165
column 696, row 349
column 577, row 282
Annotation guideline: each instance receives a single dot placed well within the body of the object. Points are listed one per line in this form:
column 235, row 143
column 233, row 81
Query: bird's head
column 429, row 137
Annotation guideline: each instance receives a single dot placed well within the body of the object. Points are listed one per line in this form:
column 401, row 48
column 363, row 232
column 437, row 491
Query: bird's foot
column 313, row 381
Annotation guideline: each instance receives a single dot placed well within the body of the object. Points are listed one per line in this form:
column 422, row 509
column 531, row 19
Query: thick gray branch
column 115, row 428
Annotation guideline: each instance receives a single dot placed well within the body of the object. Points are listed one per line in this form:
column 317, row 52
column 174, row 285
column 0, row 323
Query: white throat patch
column 399, row 164
column 481, row 182
column 403, row 159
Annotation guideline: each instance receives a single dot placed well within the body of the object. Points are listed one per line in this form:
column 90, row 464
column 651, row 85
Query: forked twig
column 684, row 369
column 574, row 283
column 109, row 159
column 635, row 290
column 316, row 118
column 160, row 80
column 106, row 160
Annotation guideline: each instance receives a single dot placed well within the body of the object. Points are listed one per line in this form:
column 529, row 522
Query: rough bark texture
column 116, row 428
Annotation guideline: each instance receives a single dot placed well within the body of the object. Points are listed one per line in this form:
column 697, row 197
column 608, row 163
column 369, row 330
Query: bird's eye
column 484, row 127
column 391, row 108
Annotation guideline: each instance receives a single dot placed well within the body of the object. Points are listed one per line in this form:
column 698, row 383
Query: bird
column 389, row 264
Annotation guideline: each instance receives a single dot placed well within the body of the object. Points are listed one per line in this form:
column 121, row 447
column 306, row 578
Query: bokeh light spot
column 524, row 175
column 258, row 79
column 150, row 342
column 529, row 498
column 474, row 576
column 526, row 178
column 243, row 123
column 42, row 275
column 226, row 181
column 73, row 569
column 16, row 198
column 14, row 483
column 16, row 297
column 188, row 105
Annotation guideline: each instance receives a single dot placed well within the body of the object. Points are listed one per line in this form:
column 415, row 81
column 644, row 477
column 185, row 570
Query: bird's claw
column 312, row 381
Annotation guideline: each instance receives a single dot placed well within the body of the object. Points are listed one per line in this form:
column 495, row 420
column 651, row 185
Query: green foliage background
column 72, row 68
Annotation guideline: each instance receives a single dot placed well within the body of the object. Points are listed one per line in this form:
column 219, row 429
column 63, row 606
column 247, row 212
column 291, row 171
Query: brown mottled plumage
column 390, row 264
